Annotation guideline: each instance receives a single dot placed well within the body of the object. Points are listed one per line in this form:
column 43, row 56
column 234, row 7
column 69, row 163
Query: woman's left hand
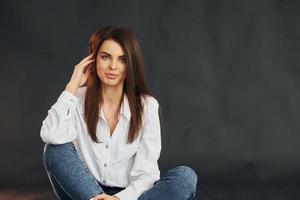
column 105, row 197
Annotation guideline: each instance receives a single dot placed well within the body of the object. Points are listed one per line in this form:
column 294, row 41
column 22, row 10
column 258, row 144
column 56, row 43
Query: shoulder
column 150, row 109
column 150, row 104
column 149, row 100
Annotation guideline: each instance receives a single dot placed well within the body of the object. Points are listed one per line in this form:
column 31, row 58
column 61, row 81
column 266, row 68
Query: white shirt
column 113, row 162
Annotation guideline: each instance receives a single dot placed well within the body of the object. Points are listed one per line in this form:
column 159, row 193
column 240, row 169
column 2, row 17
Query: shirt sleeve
column 145, row 170
column 59, row 125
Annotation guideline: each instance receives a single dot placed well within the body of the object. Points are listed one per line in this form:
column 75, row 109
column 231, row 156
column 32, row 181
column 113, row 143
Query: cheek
column 99, row 69
column 101, row 65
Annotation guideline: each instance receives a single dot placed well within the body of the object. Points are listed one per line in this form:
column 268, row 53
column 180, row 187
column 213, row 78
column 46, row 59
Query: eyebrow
column 110, row 54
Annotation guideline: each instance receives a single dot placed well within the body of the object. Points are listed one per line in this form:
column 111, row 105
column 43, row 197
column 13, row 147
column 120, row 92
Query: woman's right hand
column 80, row 74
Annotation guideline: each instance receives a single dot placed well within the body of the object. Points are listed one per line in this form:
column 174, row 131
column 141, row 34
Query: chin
column 112, row 83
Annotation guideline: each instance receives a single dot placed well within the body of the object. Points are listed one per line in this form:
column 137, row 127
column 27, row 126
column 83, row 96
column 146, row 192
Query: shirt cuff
column 126, row 194
column 68, row 98
column 66, row 103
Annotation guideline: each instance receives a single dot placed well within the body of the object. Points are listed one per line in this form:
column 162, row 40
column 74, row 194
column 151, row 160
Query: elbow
column 44, row 134
column 59, row 137
column 47, row 138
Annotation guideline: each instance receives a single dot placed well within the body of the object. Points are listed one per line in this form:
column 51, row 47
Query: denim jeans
column 71, row 179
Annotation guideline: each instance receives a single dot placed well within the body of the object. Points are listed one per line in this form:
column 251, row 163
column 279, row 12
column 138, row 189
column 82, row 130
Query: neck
column 111, row 95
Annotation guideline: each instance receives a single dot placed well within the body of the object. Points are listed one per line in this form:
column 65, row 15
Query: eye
column 104, row 57
column 123, row 60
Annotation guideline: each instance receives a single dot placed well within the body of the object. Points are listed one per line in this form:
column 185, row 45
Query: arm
column 145, row 170
column 59, row 125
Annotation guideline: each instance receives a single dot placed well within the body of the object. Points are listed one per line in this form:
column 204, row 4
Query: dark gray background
column 226, row 74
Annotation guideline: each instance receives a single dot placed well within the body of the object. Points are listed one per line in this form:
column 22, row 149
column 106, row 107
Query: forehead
column 111, row 47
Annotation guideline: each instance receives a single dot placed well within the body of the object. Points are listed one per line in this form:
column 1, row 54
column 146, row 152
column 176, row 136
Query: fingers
column 87, row 72
column 100, row 196
column 87, row 63
column 86, row 58
column 84, row 63
column 82, row 71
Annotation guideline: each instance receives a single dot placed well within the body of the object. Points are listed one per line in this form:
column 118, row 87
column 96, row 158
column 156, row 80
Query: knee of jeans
column 53, row 152
column 187, row 175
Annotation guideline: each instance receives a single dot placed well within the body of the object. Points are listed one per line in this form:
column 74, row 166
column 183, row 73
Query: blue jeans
column 71, row 179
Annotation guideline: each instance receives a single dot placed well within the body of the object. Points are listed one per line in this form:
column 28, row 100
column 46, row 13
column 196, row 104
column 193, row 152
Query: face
column 111, row 64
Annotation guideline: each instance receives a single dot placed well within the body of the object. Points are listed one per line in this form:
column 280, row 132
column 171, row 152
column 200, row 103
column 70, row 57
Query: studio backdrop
column 226, row 75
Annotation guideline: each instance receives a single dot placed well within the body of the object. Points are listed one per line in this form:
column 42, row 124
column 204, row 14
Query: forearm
column 70, row 87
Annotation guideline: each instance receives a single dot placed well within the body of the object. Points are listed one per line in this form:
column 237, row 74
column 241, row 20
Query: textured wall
column 226, row 74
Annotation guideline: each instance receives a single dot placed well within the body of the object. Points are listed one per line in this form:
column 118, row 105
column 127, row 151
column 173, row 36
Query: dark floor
column 271, row 191
column 22, row 194
column 262, row 191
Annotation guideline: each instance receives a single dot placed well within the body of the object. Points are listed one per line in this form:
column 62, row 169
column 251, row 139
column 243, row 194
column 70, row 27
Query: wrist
column 71, row 88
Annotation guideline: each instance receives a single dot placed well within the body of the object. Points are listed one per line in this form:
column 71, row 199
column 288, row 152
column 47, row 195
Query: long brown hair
column 135, row 86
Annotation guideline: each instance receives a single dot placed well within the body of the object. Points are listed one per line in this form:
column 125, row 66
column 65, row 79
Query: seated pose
column 103, row 137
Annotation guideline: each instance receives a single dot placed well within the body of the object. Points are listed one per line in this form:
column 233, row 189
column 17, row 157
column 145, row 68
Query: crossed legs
column 71, row 179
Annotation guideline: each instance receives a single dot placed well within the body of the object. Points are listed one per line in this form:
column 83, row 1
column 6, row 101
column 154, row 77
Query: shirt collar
column 124, row 110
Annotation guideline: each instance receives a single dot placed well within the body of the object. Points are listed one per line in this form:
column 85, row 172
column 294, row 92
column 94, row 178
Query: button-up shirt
column 112, row 162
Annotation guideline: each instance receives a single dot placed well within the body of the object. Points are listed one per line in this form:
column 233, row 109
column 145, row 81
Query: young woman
column 103, row 139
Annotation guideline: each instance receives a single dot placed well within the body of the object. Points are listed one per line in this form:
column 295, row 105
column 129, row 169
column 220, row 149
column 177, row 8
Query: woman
column 103, row 140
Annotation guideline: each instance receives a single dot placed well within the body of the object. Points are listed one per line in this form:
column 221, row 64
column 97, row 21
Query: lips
column 110, row 74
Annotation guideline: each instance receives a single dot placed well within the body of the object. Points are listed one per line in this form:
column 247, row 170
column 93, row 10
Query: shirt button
column 104, row 181
column 105, row 165
column 106, row 146
column 71, row 99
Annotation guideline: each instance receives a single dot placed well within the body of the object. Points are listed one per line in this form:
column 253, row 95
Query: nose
column 113, row 65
